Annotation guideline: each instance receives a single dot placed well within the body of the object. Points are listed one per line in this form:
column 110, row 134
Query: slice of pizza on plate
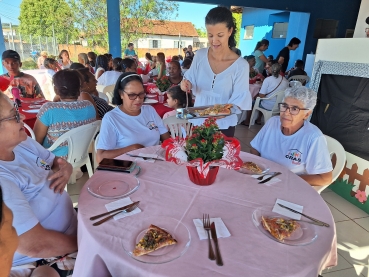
column 279, row 228
column 154, row 239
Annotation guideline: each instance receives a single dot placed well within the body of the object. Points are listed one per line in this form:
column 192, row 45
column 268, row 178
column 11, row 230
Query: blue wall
column 2, row 48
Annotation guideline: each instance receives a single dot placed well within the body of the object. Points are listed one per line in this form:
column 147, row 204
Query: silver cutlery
column 143, row 157
column 206, row 224
column 270, row 178
column 219, row 260
column 116, row 210
column 309, row 217
column 111, row 216
column 263, row 175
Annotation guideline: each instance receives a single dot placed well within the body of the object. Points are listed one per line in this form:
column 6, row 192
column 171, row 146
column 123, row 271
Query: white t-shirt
column 304, row 152
column 119, row 129
column 229, row 86
column 26, row 192
column 97, row 72
column 269, row 84
column 108, row 78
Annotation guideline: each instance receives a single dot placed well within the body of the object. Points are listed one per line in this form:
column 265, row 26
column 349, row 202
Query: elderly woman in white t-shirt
column 291, row 140
column 131, row 125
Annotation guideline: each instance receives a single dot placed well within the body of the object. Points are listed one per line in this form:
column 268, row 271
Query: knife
column 269, row 178
column 143, row 157
column 313, row 219
column 119, row 209
column 219, row 260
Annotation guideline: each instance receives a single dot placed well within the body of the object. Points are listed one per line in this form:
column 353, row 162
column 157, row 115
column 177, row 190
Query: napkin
column 271, row 182
column 283, row 211
column 148, row 156
column 222, row 231
column 120, row 203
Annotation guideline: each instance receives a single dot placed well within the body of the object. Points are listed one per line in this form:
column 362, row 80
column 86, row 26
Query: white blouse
column 229, row 86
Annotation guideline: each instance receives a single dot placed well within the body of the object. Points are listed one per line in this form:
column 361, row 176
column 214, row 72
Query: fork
column 262, row 176
column 110, row 216
column 206, row 224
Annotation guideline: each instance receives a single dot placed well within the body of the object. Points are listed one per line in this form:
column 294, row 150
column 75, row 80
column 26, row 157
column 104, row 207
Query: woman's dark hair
column 271, row 57
column 84, row 57
column 130, row 44
column 76, row 66
column 160, row 57
column 127, row 63
column 61, row 53
column 293, row 41
column 177, row 64
column 223, row 15
column 121, row 84
column 84, row 74
column 103, row 62
column 148, row 56
column 299, row 63
column 117, row 64
column 260, row 43
column 48, row 62
column 249, row 58
column 186, row 63
column 177, row 94
column 67, row 83
column 92, row 56
column 1, row 206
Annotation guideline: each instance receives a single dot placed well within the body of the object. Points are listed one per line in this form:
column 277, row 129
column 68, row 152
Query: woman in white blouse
column 217, row 74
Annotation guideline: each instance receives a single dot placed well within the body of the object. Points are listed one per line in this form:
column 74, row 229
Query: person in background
column 131, row 125
column 109, row 78
column 189, row 53
column 236, row 50
column 175, row 74
column 83, row 59
column 64, row 60
column 260, row 58
column 284, row 55
column 110, row 60
column 176, row 100
column 41, row 59
column 254, row 74
column 175, row 59
column 56, row 118
column 130, row 52
column 27, row 84
column 149, row 61
column 92, row 59
column 266, row 68
column 180, row 59
column 270, row 58
column 297, row 70
column 184, row 51
column 160, row 65
column 102, row 65
column 52, row 67
column 186, row 65
column 129, row 65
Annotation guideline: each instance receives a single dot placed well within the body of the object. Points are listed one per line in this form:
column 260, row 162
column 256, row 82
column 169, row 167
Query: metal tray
column 191, row 112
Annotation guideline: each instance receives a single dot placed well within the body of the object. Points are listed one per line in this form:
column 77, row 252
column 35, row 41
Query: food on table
column 253, row 167
column 216, row 110
column 154, row 239
column 279, row 228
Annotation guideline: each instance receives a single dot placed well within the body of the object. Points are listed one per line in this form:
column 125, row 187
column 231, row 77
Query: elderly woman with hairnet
column 294, row 142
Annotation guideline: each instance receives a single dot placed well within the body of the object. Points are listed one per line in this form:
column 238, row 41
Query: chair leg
column 89, row 168
column 252, row 120
column 72, row 178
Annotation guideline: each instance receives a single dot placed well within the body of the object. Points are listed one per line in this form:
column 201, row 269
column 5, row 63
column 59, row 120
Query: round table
column 30, row 117
column 167, row 191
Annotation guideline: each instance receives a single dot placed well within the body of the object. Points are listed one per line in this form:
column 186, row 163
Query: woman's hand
column 135, row 146
column 60, row 178
column 186, row 85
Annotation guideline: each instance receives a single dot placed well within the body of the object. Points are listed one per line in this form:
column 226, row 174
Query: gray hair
column 276, row 69
column 306, row 96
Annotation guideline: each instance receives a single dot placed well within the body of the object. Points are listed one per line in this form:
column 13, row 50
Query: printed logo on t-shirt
column 294, row 155
column 41, row 163
column 151, row 125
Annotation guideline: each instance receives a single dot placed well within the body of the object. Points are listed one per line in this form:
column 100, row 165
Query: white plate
column 150, row 101
column 151, row 95
column 262, row 166
column 34, row 106
column 166, row 105
column 31, row 111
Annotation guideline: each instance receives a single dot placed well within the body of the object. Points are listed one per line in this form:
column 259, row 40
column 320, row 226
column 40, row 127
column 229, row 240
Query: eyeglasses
column 16, row 116
column 294, row 110
column 133, row 96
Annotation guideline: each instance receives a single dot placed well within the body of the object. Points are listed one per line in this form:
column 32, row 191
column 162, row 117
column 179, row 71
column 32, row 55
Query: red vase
column 197, row 179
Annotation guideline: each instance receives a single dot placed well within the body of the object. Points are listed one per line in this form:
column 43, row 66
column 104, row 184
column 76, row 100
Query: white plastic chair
column 303, row 79
column 104, row 96
column 29, row 129
column 336, row 148
column 95, row 152
column 267, row 114
column 174, row 125
column 79, row 140
column 109, row 92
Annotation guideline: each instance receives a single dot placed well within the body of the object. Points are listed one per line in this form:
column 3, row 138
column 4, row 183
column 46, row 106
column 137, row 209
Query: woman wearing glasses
column 131, row 125
column 294, row 142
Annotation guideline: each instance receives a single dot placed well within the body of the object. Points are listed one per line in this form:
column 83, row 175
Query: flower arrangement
column 163, row 83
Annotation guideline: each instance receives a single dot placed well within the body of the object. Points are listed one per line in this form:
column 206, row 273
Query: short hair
column 176, row 63
column 130, row 44
column 187, row 63
column 84, row 74
column 175, row 58
column 84, row 57
column 299, row 63
column 276, row 69
column 48, row 62
column 76, row 66
column 68, row 83
column 271, row 57
column 121, row 83
column 307, row 96
column 178, row 94
column 126, row 63
column 293, row 41
column 249, row 58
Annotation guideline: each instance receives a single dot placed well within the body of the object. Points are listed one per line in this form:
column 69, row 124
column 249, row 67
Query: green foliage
column 238, row 18
column 163, row 83
column 29, row 64
column 37, row 17
column 201, row 31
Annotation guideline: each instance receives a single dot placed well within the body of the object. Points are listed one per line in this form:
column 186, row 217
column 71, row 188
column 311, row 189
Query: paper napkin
column 271, row 182
column 120, row 203
column 283, row 211
column 222, row 231
column 148, row 156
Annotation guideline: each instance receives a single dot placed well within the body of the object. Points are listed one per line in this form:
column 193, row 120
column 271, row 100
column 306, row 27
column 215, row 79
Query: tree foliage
column 135, row 15
column 201, row 31
column 37, row 17
column 238, row 18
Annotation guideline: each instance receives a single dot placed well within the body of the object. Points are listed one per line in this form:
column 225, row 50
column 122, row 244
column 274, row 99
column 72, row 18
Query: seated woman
column 83, row 59
column 43, row 216
column 131, row 125
column 294, row 142
column 254, row 75
column 102, row 65
column 56, row 118
column 109, row 78
column 175, row 74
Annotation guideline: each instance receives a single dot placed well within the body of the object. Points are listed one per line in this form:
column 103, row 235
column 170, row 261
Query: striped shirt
column 102, row 106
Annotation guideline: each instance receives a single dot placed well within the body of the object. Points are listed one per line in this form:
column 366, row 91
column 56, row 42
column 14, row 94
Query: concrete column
column 2, row 48
column 115, row 47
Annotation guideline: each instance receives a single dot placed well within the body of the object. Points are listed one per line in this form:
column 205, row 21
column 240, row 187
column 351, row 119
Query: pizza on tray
column 253, row 167
column 154, row 239
column 216, row 110
column 279, row 228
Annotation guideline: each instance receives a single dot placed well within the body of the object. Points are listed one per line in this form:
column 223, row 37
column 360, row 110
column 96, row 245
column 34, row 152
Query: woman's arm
column 87, row 96
column 99, row 73
column 164, row 136
column 263, row 58
column 40, row 131
column 322, row 179
column 111, row 154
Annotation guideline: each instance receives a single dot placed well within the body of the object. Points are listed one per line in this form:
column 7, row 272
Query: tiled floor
column 352, row 224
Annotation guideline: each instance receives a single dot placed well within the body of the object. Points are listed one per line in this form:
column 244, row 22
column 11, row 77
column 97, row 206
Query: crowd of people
column 43, row 216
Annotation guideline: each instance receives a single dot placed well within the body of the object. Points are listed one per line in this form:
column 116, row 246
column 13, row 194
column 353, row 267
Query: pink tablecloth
column 166, row 191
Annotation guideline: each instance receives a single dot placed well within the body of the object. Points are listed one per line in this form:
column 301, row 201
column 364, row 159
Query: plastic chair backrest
column 109, row 92
column 303, row 79
column 104, row 96
column 30, row 131
column 174, row 125
column 280, row 96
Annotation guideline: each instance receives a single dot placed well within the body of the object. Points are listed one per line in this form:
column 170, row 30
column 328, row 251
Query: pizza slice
column 154, row 239
column 253, row 167
column 279, row 228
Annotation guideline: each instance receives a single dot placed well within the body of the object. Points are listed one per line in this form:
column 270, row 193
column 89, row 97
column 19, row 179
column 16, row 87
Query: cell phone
column 117, row 165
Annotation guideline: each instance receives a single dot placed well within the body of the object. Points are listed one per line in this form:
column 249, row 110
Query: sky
column 195, row 13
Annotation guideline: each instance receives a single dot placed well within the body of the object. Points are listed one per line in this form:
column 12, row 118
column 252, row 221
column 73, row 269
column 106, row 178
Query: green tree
column 238, row 18
column 38, row 17
column 135, row 18
column 201, row 31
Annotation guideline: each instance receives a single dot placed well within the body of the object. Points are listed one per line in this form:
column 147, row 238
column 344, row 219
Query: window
column 249, row 32
column 280, row 30
column 155, row 43
column 325, row 28
column 178, row 44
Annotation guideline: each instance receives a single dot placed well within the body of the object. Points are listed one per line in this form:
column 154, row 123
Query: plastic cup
column 161, row 98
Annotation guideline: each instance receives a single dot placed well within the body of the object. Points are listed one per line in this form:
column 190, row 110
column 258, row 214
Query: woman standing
column 64, row 60
column 217, row 74
column 160, row 65
column 260, row 58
